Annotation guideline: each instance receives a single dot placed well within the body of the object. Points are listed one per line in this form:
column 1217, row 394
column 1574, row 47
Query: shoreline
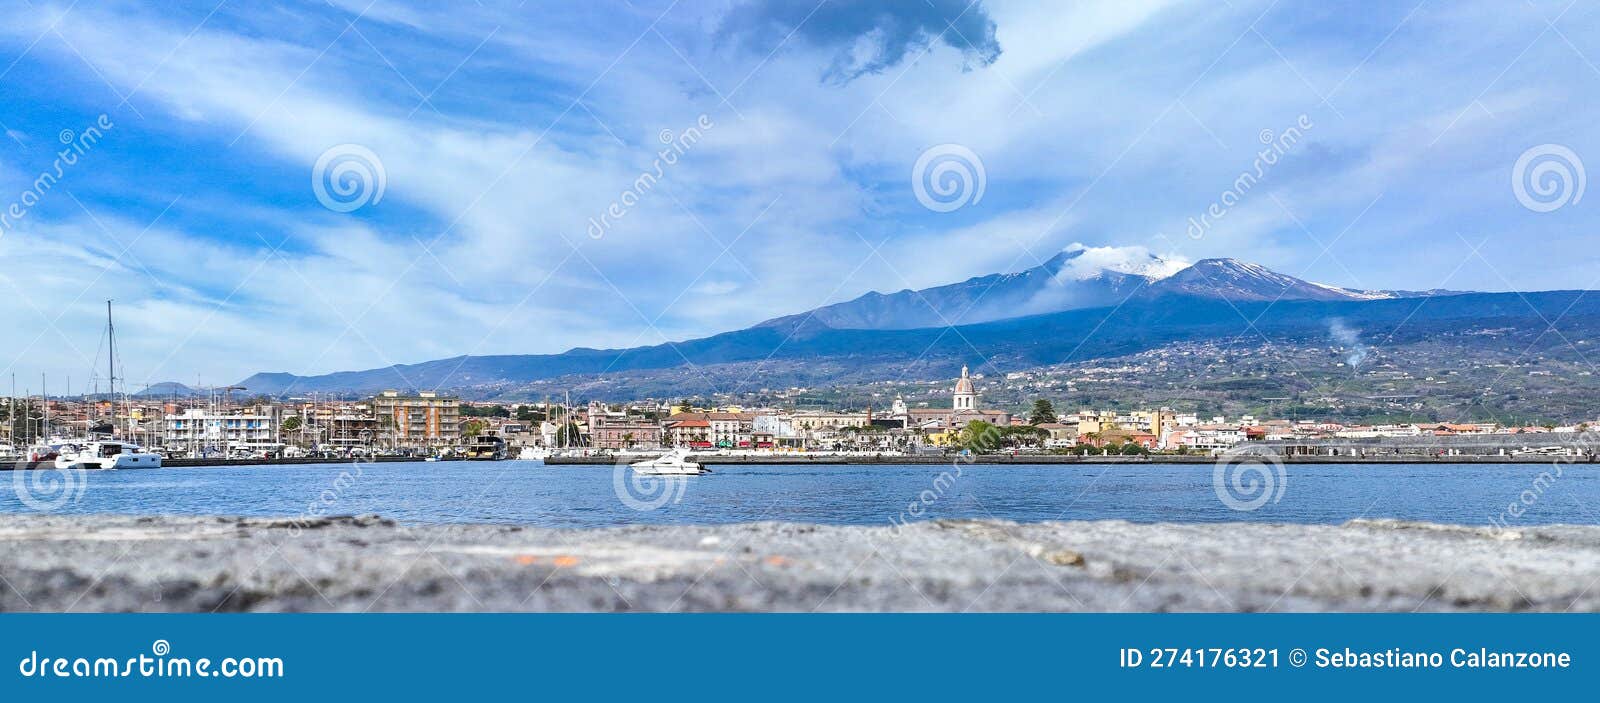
column 981, row 460
column 361, row 564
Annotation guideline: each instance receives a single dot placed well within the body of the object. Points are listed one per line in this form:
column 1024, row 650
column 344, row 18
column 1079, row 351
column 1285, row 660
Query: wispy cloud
column 503, row 132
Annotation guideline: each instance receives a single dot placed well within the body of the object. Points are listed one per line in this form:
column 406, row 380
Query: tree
column 473, row 428
column 1043, row 412
column 979, row 436
column 291, row 423
column 485, row 411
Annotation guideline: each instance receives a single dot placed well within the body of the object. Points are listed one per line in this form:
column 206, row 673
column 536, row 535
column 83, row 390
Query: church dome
column 964, row 384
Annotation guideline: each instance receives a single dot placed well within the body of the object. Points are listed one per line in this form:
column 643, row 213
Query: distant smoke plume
column 1351, row 340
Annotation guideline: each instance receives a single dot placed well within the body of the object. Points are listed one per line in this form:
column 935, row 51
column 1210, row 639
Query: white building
column 197, row 431
column 1209, row 438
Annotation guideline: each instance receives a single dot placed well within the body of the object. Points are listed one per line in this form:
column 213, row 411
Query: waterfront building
column 1210, row 438
column 200, row 432
column 768, row 431
column 351, row 429
column 422, row 420
column 691, row 430
column 606, row 432
column 730, row 430
column 812, row 420
column 1061, row 435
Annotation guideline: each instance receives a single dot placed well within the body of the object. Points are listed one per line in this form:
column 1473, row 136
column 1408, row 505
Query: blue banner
column 795, row 657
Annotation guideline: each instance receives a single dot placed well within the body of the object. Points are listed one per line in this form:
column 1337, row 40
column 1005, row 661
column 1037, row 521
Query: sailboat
column 107, row 453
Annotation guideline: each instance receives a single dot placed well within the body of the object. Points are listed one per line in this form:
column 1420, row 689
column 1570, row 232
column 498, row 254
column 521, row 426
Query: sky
column 347, row 184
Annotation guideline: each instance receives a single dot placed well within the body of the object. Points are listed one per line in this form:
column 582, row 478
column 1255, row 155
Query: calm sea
column 597, row 496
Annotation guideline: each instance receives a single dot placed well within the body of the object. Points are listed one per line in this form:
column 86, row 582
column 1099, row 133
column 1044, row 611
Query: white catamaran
column 108, row 452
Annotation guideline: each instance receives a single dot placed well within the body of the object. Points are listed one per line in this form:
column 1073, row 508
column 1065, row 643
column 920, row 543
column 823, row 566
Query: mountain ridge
column 1198, row 300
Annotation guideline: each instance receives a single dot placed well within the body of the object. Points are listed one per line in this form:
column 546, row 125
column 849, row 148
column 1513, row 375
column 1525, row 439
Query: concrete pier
column 106, row 563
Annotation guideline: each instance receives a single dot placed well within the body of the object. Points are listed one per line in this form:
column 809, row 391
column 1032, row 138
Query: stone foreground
column 107, row 563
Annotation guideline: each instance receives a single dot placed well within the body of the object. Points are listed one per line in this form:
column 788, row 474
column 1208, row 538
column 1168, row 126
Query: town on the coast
column 418, row 424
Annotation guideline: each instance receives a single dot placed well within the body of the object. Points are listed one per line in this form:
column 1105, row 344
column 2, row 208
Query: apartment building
column 199, row 432
column 422, row 420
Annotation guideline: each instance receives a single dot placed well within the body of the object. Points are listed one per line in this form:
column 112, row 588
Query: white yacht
column 675, row 463
column 533, row 455
column 106, row 454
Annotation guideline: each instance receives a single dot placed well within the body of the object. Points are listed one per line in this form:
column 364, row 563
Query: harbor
column 144, row 430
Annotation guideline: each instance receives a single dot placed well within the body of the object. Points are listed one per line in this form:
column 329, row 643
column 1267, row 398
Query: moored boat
column 486, row 448
column 105, row 454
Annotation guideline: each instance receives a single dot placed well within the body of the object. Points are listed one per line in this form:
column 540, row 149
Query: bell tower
column 965, row 398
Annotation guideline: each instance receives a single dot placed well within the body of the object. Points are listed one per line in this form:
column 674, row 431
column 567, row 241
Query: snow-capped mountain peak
column 1077, row 277
column 1236, row 280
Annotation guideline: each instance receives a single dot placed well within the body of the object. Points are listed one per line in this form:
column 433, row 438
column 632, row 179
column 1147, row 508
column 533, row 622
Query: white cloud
column 1108, row 123
column 1138, row 260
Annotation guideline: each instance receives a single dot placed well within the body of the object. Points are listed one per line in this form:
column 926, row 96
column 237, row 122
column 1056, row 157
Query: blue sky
column 504, row 128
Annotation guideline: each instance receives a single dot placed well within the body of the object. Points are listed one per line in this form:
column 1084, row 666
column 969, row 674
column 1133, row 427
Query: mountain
column 1068, row 309
column 167, row 389
column 1077, row 278
column 1238, row 281
column 770, row 357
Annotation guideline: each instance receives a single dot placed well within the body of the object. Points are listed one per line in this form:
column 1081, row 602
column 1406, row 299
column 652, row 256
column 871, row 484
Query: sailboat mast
column 111, row 367
column 111, row 356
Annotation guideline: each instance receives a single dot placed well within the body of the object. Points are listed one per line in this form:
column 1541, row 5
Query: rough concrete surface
column 107, row 563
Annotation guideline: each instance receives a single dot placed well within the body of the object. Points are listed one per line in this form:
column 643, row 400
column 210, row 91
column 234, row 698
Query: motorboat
column 42, row 454
column 106, row 454
column 533, row 455
column 675, row 463
column 486, row 448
